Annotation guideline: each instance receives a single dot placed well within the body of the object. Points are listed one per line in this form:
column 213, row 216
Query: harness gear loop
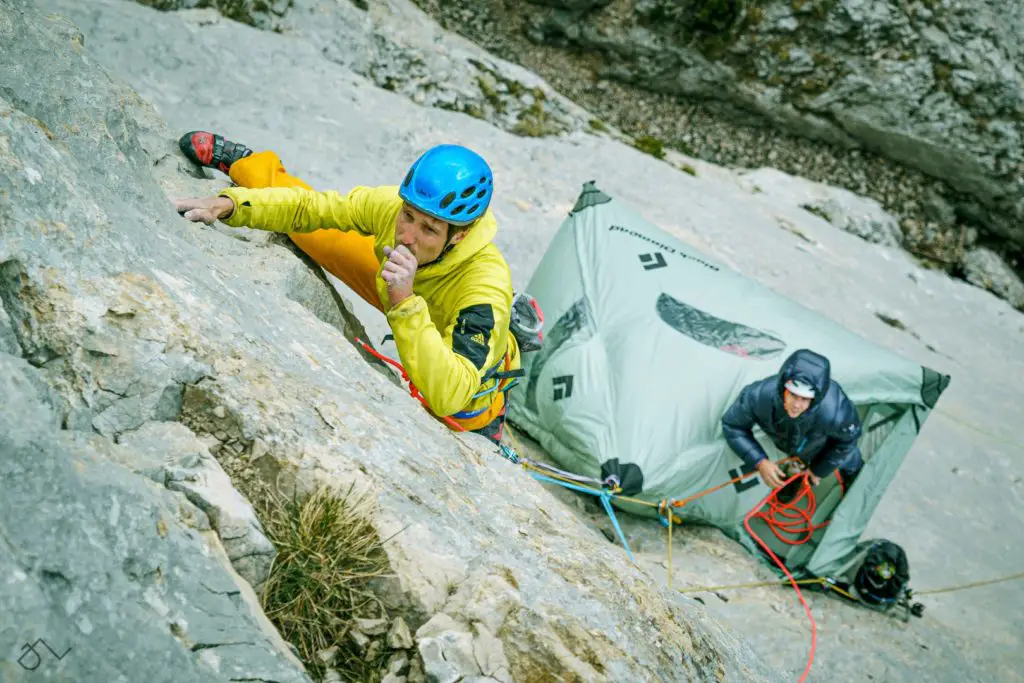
column 502, row 384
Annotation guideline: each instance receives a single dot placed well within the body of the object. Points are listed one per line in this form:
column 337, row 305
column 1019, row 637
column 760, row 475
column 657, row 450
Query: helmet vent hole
column 458, row 209
column 473, row 208
column 408, row 179
column 468, row 191
column 480, row 194
column 483, row 179
column 448, row 199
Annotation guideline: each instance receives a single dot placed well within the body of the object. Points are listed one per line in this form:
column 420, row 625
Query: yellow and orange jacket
column 454, row 331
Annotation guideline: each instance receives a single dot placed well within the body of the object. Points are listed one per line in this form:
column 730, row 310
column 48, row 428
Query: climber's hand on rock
column 399, row 271
column 205, row 209
column 771, row 475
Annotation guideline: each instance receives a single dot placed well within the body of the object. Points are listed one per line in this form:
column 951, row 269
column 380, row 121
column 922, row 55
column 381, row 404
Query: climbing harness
column 504, row 381
column 525, row 325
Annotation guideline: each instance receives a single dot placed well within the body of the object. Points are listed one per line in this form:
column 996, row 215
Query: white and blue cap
column 800, row 388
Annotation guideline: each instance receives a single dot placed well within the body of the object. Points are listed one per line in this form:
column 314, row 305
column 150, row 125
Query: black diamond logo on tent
column 563, row 387
column 652, row 261
column 742, row 485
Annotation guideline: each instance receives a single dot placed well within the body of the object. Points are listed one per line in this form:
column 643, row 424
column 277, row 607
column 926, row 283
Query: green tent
column 646, row 344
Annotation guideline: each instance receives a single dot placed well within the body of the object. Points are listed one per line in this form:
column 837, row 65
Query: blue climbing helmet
column 449, row 182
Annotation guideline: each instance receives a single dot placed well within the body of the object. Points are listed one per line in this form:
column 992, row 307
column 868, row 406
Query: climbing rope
column 603, row 496
column 752, row 584
column 670, row 525
column 973, row 584
column 770, row 498
column 668, row 518
column 542, row 471
column 789, row 519
column 689, row 499
column 782, row 518
column 830, row 585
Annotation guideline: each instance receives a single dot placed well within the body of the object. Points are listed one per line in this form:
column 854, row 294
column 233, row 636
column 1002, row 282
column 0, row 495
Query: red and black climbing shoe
column 212, row 150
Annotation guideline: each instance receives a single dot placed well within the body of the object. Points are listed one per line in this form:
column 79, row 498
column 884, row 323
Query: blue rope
column 605, row 501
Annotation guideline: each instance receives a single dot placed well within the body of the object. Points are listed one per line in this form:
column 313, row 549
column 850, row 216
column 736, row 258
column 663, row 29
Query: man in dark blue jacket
column 804, row 413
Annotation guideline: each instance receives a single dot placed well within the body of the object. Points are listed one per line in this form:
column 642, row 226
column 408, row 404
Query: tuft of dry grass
column 328, row 553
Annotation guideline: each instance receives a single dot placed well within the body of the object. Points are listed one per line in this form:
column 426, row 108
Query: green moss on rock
column 650, row 145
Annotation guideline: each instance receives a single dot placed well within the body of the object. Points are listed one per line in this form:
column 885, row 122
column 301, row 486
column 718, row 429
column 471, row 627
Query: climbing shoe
column 212, row 150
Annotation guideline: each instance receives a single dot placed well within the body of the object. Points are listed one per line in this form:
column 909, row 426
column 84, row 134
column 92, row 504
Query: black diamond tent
column 647, row 342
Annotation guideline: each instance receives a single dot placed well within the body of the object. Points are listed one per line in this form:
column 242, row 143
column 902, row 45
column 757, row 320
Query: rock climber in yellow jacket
column 421, row 252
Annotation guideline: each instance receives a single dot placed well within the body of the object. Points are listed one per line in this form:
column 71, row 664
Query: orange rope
column 690, row 499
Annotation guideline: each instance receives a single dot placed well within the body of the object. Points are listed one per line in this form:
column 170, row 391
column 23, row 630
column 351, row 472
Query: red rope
column 792, row 519
column 789, row 527
column 413, row 391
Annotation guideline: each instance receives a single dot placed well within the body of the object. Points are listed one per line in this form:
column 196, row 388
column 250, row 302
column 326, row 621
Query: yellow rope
column 712, row 589
column 842, row 592
column 670, row 525
column 949, row 589
column 975, row 584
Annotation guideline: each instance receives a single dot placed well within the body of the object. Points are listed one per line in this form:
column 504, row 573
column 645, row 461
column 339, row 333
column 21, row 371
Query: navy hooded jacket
column 823, row 437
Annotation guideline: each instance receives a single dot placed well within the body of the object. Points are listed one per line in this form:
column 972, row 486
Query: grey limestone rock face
column 985, row 269
column 107, row 575
column 849, row 212
column 189, row 468
column 398, row 49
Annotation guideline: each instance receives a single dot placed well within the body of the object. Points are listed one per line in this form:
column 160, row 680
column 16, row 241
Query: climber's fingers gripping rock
column 205, row 209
